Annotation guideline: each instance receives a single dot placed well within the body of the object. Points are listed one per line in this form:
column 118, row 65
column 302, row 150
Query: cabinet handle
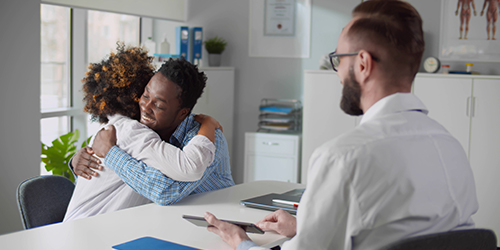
column 269, row 143
column 467, row 110
column 473, row 112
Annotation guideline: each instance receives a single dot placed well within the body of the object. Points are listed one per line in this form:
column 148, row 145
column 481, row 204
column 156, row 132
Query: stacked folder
column 288, row 201
column 280, row 115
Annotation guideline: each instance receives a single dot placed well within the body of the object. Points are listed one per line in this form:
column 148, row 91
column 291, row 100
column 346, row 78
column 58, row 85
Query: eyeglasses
column 335, row 58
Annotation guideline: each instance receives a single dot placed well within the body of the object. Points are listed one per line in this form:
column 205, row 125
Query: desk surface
column 163, row 222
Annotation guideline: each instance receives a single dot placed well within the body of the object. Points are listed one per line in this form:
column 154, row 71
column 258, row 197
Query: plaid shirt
column 152, row 184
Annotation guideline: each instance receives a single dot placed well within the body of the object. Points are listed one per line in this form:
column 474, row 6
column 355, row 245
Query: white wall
column 19, row 103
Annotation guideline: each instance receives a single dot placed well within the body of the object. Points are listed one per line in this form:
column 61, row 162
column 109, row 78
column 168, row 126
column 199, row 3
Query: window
column 105, row 29
column 55, row 71
column 60, row 99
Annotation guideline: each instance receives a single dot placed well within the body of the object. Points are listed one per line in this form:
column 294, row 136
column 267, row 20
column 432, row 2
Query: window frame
column 77, row 67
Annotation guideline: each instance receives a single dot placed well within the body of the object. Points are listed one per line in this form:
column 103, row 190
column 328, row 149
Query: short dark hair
column 115, row 85
column 394, row 26
column 187, row 77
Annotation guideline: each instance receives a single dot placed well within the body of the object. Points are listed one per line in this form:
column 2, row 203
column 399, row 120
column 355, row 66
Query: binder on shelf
column 182, row 41
column 196, row 45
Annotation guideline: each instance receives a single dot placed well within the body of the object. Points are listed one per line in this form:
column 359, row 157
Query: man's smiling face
column 160, row 106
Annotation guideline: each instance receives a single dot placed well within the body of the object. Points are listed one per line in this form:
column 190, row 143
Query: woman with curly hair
column 112, row 90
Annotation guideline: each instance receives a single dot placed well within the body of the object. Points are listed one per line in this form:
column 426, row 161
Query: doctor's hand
column 104, row 140
column 279, row 221
column 231, row 234
column 83, row 162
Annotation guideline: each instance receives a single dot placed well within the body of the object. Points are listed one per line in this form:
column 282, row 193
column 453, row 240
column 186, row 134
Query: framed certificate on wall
column 280, row 28
column 279, row 18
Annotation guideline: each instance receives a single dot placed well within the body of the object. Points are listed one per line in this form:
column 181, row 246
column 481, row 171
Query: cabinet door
column 485, row 152
column 217, row 100
column 448, row 101
column 271, row 168
column 271, row 157
column 322, row 118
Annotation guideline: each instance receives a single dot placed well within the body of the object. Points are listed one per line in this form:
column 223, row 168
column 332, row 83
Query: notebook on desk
column 151, row 243
column 287, row 201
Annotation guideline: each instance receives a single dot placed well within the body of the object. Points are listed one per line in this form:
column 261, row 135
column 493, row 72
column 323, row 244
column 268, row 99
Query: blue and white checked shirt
column 152, row 184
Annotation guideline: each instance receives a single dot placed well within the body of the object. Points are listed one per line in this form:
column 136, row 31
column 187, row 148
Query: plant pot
column 214, row 60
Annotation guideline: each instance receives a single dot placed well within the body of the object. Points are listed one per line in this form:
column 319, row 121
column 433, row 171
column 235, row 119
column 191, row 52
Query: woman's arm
column 187, row 164
column 208, row 125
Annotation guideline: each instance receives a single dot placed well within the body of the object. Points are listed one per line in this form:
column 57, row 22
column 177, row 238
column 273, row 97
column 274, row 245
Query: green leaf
column 57, row 156
column 75, row 136
column 58, row 143
column 49, row 167
column 86, row 142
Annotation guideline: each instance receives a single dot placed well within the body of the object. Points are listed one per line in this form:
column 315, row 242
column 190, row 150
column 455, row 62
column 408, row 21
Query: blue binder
column 196, row 45
column 182, row 41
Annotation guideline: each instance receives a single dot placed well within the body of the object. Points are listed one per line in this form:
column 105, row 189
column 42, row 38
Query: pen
column 291, row 203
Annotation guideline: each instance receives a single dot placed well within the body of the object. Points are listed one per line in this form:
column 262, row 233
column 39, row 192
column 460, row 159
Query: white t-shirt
column 107, row 192
column 398, row 174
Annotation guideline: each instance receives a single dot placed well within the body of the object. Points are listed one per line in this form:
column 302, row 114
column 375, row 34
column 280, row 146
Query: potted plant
column 215, row 46
column 57, row 156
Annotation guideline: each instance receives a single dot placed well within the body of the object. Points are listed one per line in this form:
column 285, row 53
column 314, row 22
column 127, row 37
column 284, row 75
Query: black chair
column 43, row 200
column 470, row 239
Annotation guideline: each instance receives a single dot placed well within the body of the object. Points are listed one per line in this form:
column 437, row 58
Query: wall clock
column 431, row 64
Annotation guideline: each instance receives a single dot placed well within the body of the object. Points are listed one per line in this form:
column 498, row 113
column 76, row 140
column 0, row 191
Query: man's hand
column 104, row 140
column 231, row 234
column 83, row 162
column 280, row 221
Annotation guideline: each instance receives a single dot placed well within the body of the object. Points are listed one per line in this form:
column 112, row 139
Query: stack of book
column 280, row 115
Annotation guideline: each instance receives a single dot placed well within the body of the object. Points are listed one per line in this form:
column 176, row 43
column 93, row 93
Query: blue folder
column 150, row 243
column 196, row 44
column 182, row 41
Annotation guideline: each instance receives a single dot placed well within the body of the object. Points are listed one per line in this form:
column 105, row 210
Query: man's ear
column 183, row 113
column 365, row 65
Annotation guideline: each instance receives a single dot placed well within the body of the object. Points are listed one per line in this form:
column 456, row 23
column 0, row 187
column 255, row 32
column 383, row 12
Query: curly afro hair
column 115, row 85
column 187, row 77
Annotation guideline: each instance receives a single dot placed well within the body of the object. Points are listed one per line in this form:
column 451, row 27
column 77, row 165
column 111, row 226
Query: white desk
column 163, row 222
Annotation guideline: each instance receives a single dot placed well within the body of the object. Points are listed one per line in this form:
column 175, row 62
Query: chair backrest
column 471, row 239
column 43, row 200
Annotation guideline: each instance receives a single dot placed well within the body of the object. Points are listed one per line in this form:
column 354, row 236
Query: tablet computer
column 248, row 227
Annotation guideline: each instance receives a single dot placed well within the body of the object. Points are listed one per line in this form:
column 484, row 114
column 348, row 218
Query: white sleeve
column 145, row 145
column 323, row 213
